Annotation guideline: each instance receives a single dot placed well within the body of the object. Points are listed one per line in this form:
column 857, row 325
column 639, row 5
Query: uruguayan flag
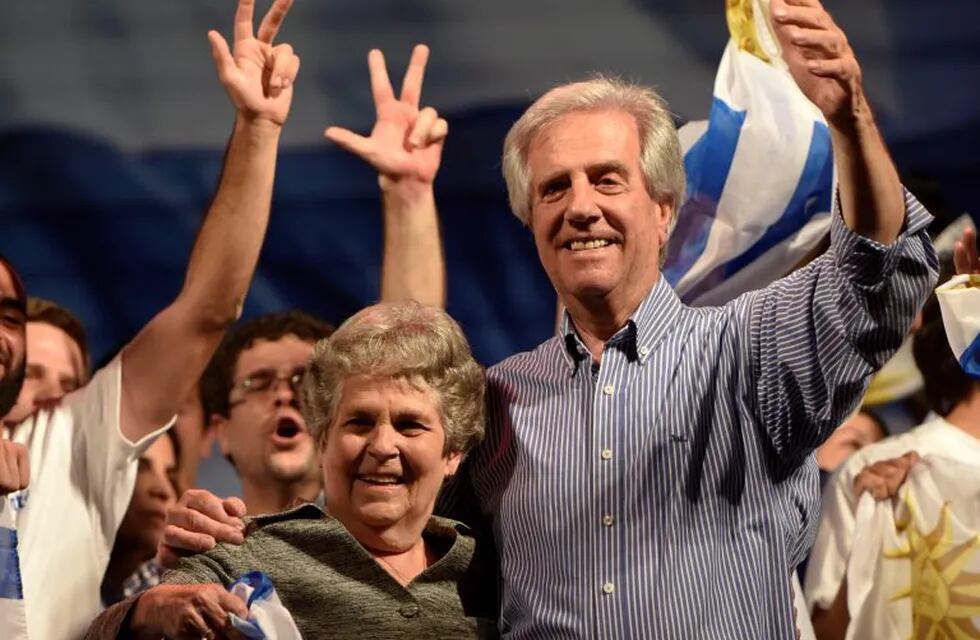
column 12, row 611
column 267, row 618
column 959, row 300
column 915, row 563
column 760, row 172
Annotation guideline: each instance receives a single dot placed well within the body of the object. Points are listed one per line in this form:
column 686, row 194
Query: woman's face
column 382, row 459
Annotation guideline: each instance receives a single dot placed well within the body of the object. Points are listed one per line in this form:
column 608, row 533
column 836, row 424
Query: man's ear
column 218, row 428
column 664, row 212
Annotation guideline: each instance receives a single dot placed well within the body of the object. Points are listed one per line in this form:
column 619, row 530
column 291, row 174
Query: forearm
column 413, row 266
column 871, row 197
column 227, row 246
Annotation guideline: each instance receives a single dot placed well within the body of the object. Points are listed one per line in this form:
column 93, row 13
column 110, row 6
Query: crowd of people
column 648, row 472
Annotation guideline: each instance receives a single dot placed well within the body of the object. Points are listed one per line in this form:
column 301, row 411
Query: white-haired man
column 647, row 469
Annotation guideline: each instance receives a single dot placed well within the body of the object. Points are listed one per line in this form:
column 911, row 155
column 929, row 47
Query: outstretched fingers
column 243, row 19
column 273, row 20
column 414, row 74
column 965, row 253
column 380, row 83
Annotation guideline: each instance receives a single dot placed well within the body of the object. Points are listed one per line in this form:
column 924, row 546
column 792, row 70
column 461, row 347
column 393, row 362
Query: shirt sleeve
column 818, row 334
column 109, row 459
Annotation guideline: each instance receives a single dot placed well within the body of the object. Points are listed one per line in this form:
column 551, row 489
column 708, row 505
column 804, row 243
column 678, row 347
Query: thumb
column 350, row 141
column 223, row 60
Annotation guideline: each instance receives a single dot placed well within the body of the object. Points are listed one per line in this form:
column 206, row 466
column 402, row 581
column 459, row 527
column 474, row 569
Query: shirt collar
column 641, row 334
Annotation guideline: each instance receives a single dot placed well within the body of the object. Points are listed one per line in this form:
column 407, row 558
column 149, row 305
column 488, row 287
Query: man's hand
column 197, row 522
column 258, row 76
column 192, row 611
column 884, row 478
column 405, row 142
column 15, row 467
column 965, row 253
column 819, row 57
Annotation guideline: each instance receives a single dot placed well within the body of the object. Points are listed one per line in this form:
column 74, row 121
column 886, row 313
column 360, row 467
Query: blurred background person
column 57, row 358
column 132, row 567
column 954, row 431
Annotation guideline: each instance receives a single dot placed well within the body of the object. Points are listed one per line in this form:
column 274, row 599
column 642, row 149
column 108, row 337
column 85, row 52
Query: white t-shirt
column 835, row 535
column 83, row 471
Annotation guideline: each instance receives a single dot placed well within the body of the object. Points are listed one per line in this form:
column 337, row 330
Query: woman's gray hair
column 660, row 151
column 401, row 340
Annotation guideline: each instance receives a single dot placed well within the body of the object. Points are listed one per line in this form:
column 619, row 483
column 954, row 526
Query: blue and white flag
column 267, row 618
column 12, row 611
column 760, row 172
column 959, row 300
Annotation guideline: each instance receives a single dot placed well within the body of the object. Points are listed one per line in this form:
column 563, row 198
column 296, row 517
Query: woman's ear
column 452, row 463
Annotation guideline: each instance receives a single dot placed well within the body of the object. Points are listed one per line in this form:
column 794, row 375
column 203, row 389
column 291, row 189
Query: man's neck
column 264, row 496
column 966, row 415
column 599, row 319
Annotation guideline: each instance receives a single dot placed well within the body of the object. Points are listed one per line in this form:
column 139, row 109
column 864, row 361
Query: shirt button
column 606, row 454
column 409, row 610
column 608, row 389
column 644, row 351
column 608, row 520
column 608, row 588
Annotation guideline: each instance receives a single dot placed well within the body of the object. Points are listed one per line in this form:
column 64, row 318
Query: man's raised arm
column 826, row 70
column 163, row 362
column 405, row 147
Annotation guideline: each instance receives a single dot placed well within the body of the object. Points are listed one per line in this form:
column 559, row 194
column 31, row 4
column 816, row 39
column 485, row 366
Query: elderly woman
column 394, row 401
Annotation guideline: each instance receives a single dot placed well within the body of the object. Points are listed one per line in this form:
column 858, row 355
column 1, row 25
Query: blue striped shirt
column 669, row 492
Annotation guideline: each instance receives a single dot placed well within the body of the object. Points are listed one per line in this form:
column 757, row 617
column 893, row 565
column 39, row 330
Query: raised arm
column 164, row 361
column 405, row 147
column 818, row 335
column 823, row 65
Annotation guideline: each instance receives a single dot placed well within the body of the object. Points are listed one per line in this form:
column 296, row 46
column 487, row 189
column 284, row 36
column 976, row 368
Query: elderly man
column 647, row 469
column 80, row 458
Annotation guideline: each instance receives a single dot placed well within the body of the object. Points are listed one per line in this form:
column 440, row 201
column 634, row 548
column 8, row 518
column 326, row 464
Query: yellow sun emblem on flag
column 743, row 23
column 945, row 597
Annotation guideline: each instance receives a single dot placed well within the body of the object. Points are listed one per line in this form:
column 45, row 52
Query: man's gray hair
column 660, row 151
column 404, row 341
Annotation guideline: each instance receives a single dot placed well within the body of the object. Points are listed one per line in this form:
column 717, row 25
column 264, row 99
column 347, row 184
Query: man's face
column 12, row 341
column 264, row 433
column 54, row 368
column 154, row 493
column 597, row 229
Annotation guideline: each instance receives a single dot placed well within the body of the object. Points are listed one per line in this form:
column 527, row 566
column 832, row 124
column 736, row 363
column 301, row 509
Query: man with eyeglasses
column 250, row 400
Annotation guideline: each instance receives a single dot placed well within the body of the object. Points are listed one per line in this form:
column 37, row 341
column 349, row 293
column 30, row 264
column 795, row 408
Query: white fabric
column 800, row 614
column 83, row 471
column 959, row 300
column 834, row 544
column 915, row 564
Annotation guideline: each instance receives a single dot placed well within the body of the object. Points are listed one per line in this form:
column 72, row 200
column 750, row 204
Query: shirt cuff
column 866, row 262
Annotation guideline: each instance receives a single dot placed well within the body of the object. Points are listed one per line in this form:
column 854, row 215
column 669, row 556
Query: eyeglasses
column 265, row 380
